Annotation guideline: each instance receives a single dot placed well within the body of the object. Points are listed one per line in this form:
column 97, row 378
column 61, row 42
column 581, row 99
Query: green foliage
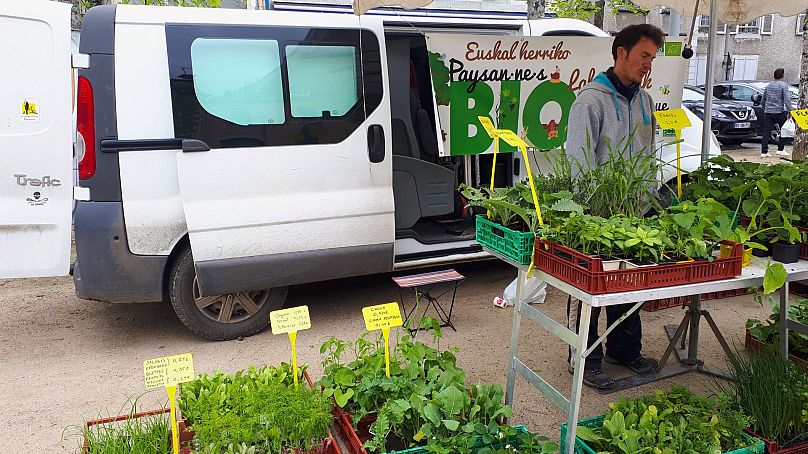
column 772, row 391
column 583, row 9
column 145, row 434
column 256, row 408
column 668, row 423
column 195, row 3
column 768, row 331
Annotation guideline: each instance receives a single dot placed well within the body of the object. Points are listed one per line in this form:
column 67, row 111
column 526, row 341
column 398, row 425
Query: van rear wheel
column 222, row 317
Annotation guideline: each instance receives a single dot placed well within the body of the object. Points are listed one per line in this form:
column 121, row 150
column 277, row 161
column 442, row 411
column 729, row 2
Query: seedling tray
column 665, row 303
column 513, row 244
column 586, row 273
column 478, row 445
column 185, row 434
column 755, row 445
column 772, row 447
column 756, row 345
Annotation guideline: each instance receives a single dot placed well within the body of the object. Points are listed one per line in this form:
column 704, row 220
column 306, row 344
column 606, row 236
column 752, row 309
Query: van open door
column 36, row 182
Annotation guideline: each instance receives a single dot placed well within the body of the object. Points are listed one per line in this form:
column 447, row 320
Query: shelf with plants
column 666, row 422
column 425, row 403
column 773, row 393
column 772, row 198
column 256, row 411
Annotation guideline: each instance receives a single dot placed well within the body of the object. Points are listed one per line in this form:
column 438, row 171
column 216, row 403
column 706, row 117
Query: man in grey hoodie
column 611, row 109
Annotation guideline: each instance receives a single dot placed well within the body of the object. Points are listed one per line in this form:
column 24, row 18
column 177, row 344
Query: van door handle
column 194, row 145
column 376, row 143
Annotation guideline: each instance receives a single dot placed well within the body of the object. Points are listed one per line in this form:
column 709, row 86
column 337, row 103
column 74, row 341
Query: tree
column 801, row 137
column 583, row 9
column 80, row 7
column 535, row 9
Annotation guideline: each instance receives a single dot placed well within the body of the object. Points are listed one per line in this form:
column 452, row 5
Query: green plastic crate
column 515, row 245
column 755, row 445
column 479, row 444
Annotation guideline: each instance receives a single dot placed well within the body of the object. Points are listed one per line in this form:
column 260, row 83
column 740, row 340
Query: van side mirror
column 756, row 99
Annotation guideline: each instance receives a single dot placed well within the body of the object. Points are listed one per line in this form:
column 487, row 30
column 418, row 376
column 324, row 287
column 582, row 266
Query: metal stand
column 751, row 277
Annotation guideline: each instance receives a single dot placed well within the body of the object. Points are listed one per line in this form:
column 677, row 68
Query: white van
column 227, row 154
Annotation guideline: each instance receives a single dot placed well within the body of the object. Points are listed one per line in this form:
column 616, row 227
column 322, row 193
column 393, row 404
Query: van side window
column 322, row 80
column 237, row 86
column 239, row 80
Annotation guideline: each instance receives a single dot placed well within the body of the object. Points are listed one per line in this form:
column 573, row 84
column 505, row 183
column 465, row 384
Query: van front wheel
column 222, row 317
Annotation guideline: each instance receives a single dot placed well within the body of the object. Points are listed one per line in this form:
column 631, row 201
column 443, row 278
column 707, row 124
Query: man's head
column 779, row 73
column 634, row 50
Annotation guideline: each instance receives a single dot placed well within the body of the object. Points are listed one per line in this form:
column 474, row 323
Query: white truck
column 225, row 155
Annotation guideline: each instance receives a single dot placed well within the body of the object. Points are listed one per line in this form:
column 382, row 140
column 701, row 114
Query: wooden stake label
column 489, row 126
column 168, row 370
column 672, row 119
column 382, row 316
column 511, row 138
column 290, row 320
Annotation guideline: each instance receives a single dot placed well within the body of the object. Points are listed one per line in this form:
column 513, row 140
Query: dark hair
column 632, row 34
column 779, row 73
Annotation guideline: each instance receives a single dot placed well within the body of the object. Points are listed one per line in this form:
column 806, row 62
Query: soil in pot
column 761, row 252
column 785, row 252
column 636, row 263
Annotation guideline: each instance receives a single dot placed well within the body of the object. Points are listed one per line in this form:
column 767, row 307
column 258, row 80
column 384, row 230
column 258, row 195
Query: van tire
column 202, row 321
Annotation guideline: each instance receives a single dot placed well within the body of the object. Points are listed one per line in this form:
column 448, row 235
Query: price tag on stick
column 290, row 321
column 675, row 119
column 801, row 118
column 383, row 317
column 169, row 371
column 492, row 132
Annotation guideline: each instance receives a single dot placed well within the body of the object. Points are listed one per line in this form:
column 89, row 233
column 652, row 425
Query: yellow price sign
column 383, row 317
column 801, row 118
column 168, row 371
column 511, row 138
column 672, row 119
column 290, row 321
column 488, row 125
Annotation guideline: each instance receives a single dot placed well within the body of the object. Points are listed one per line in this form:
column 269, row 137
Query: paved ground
column 750, row 151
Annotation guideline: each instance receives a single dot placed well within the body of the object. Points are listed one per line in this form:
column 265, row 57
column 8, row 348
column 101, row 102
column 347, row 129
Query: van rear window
column 239, row 80
column 322, row 79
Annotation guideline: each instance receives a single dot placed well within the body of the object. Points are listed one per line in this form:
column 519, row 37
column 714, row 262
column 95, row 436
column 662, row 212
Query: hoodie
column 607, row 116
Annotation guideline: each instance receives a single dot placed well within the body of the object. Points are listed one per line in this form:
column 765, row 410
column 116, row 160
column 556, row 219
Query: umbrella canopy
column 732, row 11
column 362, row 6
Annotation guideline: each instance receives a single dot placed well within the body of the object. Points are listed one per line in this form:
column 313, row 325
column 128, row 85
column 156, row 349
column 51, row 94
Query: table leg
column 517, row 319
column 693, row 339
column 784, row 320
column 578, row 377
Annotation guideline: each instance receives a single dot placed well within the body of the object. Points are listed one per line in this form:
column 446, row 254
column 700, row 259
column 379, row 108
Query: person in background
column 776, row 104
column 608, row 110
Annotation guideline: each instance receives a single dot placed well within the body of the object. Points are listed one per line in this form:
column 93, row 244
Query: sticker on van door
column 29, row 110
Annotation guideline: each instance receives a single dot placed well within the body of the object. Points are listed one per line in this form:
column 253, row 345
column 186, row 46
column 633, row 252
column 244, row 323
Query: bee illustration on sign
column 29, row 110
column 665, row 89
column 36, row 199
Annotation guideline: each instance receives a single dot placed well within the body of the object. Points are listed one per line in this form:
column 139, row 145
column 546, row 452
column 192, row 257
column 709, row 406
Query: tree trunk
column 535, row 9
column 597, row 21
column 801, row 137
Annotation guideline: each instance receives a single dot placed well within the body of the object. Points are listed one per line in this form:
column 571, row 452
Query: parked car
column 732, row 122
column 750, row 93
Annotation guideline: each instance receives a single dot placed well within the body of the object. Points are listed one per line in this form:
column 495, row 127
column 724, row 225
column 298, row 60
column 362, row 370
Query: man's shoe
column 594, row 378
column 764, row 155
column 783, row 153
column 639, row 365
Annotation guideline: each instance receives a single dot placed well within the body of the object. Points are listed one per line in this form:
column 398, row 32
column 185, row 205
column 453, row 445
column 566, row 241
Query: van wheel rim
column 230, row 308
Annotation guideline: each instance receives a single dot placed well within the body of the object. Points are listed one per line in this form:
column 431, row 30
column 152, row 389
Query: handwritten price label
column 511, row 138
column 382, row 316
column 801, row 117
column 489, row 126
column 672, row 119
column 168, row 371
column 290, row 320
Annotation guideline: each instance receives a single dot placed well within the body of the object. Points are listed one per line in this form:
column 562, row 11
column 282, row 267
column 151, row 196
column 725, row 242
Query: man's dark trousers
column 769, row 119
column 624, row 342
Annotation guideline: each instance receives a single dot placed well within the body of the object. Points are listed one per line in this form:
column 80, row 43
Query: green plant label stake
column 290, row 321
column 383, row 317
column 675, row 119
column 169, row 371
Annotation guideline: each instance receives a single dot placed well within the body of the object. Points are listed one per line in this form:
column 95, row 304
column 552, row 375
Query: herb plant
column 145, row 434
column 257, row 408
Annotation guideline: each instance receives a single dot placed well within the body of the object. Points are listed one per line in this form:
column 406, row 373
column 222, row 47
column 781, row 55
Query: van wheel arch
column 223, row 317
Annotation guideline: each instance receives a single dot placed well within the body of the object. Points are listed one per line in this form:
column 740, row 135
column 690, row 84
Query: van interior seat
column 421, row 187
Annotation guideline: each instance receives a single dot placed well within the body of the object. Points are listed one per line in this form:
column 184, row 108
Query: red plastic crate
column 185, row 434
column 772, row 447
column 665, row 303
column 586, row 273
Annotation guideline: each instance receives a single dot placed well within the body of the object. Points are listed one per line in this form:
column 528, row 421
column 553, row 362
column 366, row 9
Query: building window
column 760, row 26
column 766, row 24
column 239, row 80
column 800, row 24
column 704, row 26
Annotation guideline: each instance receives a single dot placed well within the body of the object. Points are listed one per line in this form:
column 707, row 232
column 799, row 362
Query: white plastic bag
column 788, row 129
column 535, row 292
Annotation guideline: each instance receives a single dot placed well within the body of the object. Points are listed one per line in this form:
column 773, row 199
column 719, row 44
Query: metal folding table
column 752, row 277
